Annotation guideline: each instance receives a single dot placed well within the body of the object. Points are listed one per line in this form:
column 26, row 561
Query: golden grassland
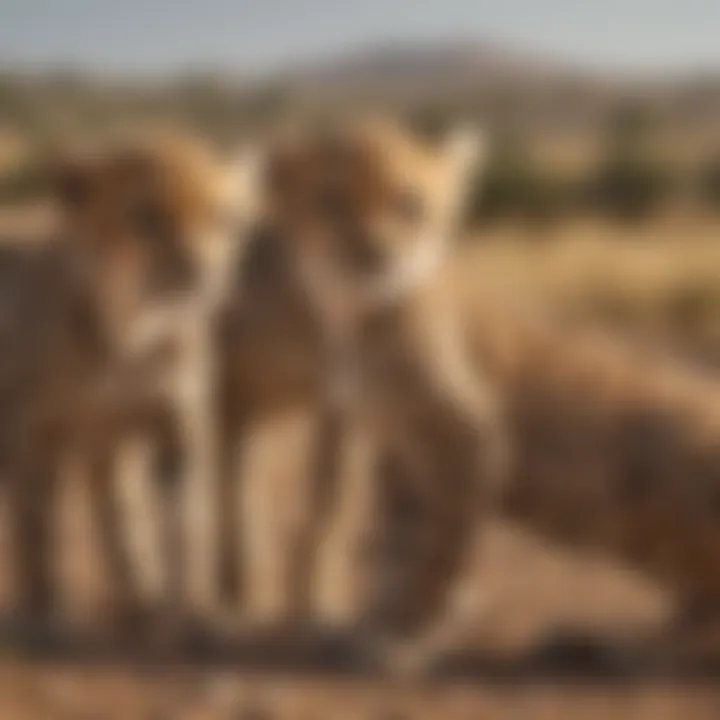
column 574, row 260
column 659, row 279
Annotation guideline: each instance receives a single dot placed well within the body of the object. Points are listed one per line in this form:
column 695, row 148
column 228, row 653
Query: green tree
column 631, row 182
column 513, row 185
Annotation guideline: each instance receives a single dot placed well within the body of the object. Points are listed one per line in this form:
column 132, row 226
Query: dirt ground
column 538, row 592
column 99, row 693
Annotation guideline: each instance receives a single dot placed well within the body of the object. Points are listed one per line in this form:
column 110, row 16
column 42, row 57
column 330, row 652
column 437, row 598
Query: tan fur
column 109, row 333
column 359, row 207
column 618, row 450
column 269, row 365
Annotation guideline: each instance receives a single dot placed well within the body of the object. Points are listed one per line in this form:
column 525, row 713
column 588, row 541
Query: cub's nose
column 361, row 254
column 174, row 273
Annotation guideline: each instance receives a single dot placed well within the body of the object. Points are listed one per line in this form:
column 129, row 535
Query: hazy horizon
column 258, row 37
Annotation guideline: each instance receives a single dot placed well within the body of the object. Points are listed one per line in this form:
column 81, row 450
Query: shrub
column 630, row 186
column 709, row 184
column 513, row 186
column 630, row 183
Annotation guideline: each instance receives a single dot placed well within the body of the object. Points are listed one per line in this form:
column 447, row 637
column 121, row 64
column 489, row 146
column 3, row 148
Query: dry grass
column 659, row 280
column 572, row 260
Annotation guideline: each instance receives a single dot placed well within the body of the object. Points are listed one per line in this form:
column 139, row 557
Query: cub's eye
column 332, row 203
column 150, row 219
column 408, row 206
column 73, row 188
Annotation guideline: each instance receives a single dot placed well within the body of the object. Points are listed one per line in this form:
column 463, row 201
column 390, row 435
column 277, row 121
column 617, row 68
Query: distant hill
column 512, row 89
column 416, row 68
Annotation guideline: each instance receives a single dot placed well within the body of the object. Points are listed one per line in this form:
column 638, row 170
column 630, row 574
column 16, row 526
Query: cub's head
column 152, row 225
column 372, row 208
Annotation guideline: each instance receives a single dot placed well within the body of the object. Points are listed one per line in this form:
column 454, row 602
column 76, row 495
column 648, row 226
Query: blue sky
column 265, row 35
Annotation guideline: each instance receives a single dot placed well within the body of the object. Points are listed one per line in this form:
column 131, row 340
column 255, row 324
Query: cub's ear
column 466, row 151
column 465, row 148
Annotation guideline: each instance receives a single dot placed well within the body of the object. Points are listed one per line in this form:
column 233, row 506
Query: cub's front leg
column 185, row 452
column 32, row 503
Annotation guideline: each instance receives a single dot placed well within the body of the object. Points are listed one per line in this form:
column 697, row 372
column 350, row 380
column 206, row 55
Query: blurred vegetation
column 630, row 185
column 631, row 182
column 627, row 179
column 514, row 185
column 708, row 185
